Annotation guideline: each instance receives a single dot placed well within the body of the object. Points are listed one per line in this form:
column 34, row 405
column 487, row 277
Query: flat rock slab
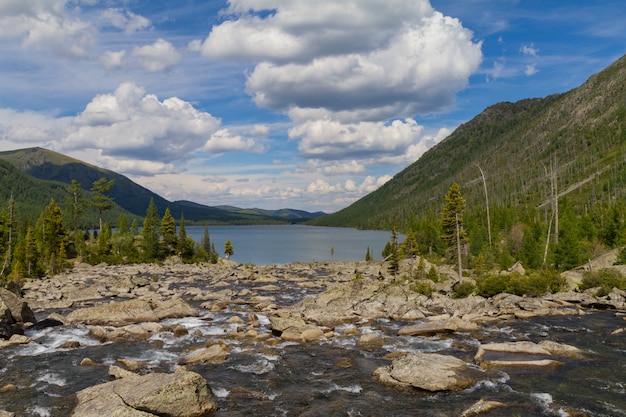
column 181, row 394
column 428, row 328
column 427, row 371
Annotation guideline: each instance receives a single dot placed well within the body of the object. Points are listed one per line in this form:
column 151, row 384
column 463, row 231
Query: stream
column 332, row 377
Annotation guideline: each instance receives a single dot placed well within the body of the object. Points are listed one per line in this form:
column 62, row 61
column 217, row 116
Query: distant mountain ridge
column 43, row 174
column 579, row 136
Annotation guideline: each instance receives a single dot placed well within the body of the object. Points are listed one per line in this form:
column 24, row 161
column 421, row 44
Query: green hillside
column 36, row 175
column 580, row 136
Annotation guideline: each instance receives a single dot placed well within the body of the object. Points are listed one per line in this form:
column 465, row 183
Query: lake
column 279, row 244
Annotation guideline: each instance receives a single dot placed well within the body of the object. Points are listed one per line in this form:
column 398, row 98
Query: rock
column 7, row 388
column 131, row 312
column 88, row 362
column 213, row 354
column 70, row 344
column 6, row 414
column 445, row 325
column 132, row 365
column 482, row 407
column 16, row 339
column 14, row 313
column 525, row 353
column 370, row 341
column 114, row 314
column 173, row 309
column 426, row 371
column 181, row 394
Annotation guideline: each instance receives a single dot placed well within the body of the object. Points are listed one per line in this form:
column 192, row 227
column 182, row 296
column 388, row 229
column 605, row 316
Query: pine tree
column 186, row 243
column 150, row 232
column 168, row 231
column 213, row 256
column 368, row 255
column 206, row 241
column 394, row 256
column 452, row 222
column 76, row 202
column 228, row 249
column 52, row 236
column 100, row 200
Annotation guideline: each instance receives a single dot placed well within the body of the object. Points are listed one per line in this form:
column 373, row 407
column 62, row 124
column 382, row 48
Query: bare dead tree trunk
column 482, row 174
column 554, row 196
column 545, row 251
column 458, row 245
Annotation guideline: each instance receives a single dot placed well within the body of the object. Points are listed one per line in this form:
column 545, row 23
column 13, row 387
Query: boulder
column 525, row 354
column 370, row 342
column 213, row 354
column 482, row 407
column 181, row 394
column 431, row 327
column 427, row 371
column 14, row 313
column 131, row 312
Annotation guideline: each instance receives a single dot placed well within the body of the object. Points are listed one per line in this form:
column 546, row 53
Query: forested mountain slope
column 579, row 136
column 35, row 175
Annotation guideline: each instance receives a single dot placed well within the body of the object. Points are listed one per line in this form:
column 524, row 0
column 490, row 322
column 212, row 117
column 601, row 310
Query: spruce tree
column 228, row 249
column 168, row 232
column 150, row 232
column 452, row 222
column 101, row 201
column 76, row 202
column 52, row 237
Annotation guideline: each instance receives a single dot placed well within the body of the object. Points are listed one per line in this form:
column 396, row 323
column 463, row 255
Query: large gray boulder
column 181, row 394
column 14, row 313
column 427, row 371
column 131, row 311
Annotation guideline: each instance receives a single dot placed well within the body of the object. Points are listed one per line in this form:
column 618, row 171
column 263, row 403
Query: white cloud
column 137, row 125
column 127, row 21
column 46, row 26
column 332, row 140
column 160, row 56
column 113, row 59
column 385, row 59
column 529, row 50
column 530, row 70
column 224, row 141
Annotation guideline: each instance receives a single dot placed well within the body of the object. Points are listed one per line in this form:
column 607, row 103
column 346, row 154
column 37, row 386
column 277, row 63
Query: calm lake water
column 279, row 244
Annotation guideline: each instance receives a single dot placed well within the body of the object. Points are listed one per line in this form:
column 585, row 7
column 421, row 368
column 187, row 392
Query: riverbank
column 207, row 317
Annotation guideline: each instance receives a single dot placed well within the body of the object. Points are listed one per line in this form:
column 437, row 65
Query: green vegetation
column 43, row 175
column 603, row 281
column 534, row 284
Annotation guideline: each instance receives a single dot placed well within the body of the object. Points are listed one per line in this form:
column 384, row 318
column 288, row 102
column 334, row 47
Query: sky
column 280, row 103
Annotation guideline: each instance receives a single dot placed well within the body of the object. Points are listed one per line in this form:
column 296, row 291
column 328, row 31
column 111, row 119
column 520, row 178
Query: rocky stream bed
column 301, row 340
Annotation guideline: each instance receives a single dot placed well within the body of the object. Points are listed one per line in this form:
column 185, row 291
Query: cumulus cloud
column 529, row 50
column 530, row 70
column 327, row 139
column 113, row 59
column 139, row 126
column 390, row 59
column 46, row 25
column 224, row 141
column 127, row 21
column 160, row 56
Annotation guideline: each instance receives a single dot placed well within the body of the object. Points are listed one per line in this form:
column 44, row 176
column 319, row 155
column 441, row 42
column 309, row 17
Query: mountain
column 43, row 174
column 578, row 136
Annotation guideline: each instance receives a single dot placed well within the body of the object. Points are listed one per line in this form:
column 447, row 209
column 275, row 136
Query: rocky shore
column 130, row 302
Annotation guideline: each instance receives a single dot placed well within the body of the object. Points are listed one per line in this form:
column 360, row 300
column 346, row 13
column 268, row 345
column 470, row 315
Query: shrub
column 423, row 288
column 605, row 280
column 490, row 285
column 463, row 289
column 534, row 285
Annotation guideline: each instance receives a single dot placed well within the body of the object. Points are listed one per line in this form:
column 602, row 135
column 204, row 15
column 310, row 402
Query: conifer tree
column 52, row 237
column 186, row 243
column 101, row 201
column 452, row 222
column 368, row 255
column 228, row 249
column 206, row 241
column 76, row 202
column 168, row 232
column 150, row 232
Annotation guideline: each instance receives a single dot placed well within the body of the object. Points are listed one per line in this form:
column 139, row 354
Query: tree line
column 36, row 248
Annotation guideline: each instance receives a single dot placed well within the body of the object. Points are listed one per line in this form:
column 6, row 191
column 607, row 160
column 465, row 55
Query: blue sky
column 280, row 103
